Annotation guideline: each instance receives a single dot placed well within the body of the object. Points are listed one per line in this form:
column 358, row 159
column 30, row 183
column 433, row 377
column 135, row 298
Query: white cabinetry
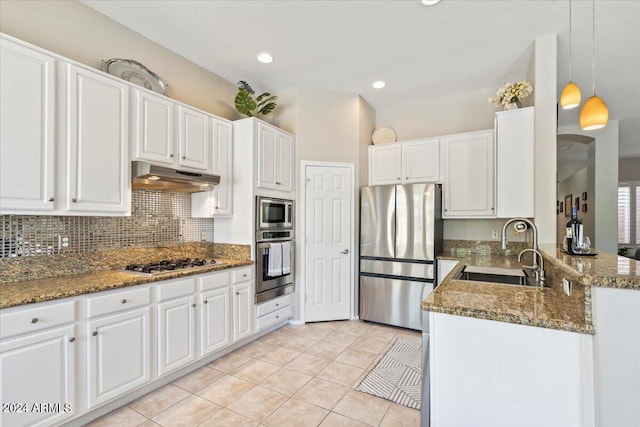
column 97, row 143
column 405, row 162
column 273, row 311
column 275, row 157
column 500, row 374
column 468, row 162
column 444, row 268
column 152, row 128
column 242, row 296
column 194, row 144
column 27, row 129
column 176, row 325
column 215, row 316
column 219, row 201
column 39, row 367
column 119, row 347
column 514, row 163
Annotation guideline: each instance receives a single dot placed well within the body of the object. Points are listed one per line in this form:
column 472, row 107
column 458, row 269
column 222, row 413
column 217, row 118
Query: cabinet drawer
column 212, row 281
column 176, row 288
column 36, row 319
column 117, row 301
column 273, row 318
column 273, row 305
column 241, row 275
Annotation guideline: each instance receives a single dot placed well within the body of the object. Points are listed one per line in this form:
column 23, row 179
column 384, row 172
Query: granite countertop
column 46, row 289
column 547, row 307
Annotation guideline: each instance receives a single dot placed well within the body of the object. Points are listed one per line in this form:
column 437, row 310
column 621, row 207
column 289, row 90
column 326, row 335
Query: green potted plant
column 248, row 105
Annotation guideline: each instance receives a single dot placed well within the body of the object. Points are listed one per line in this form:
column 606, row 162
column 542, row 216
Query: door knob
column 346, row 251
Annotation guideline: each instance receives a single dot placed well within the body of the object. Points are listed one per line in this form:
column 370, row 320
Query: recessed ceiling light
column 379, row 84
column 265, row 58
column 430, row 2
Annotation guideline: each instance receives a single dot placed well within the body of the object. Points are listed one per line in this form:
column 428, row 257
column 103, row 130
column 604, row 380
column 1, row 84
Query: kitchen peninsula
column 520, row 355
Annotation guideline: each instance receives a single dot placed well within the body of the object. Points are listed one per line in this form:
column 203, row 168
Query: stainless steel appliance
column 146, row 176
column 275, row 248
column 400, row 234
column 273, row 213
column 169, row 266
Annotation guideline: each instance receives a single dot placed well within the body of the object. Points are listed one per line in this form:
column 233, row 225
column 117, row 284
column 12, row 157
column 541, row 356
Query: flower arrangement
column 512, row 93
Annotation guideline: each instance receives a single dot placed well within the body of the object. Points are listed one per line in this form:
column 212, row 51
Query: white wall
column 603, row 158
column 575, row 185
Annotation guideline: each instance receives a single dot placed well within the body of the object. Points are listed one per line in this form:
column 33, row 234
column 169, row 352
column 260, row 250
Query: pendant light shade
column 594, row 114
column 571, row 96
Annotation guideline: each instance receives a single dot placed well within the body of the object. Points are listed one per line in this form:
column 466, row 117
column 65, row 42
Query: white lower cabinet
column 119, row 354
column 215, row 320
column 38, row 378
column 273, row 311
column 176, row 334
column 242, row 310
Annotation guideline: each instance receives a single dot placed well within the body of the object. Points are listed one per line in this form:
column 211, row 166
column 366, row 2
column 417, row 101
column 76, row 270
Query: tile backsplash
column 157, row 218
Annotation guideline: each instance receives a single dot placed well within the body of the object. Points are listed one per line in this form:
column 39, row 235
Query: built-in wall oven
column 274, row 248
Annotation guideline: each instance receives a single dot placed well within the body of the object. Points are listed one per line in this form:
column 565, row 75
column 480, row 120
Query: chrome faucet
column 538, row 271
column 521, row 227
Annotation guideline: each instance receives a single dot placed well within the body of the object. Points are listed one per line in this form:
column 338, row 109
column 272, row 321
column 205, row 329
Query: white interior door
column 328, row 277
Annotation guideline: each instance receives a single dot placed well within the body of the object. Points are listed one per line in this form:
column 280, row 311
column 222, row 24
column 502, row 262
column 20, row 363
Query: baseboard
column 355, row 317
column 296, row 322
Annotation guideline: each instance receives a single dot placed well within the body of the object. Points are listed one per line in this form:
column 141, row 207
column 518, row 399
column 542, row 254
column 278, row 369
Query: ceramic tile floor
column 295, row 376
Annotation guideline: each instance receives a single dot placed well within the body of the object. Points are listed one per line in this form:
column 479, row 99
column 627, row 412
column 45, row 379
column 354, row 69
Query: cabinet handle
column 407, row 178
column 277, row 305
column 237, row 292
column 492, row 208
column 72, row 339
column 124, row 301
column 95, row 333
column 446, row 210
column 398, row 178
column 34, row 320
column 184, row 157
column 206, row 301
column 74, row 200
column 244, row 275
column 277, row 317
column 193, row 305
column 171, row 155
column 52, row 199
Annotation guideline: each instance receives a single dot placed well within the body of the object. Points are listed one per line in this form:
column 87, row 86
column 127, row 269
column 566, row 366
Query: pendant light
column 594, row 113
column 571, row 96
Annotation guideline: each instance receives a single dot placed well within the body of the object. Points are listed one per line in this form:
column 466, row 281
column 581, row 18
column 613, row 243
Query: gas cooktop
column 169, row 266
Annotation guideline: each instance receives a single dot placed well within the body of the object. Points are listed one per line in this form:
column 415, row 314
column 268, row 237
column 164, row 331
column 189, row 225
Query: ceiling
column 421, row 52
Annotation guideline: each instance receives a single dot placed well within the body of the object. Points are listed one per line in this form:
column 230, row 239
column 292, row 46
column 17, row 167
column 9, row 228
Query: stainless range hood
column 146, row 176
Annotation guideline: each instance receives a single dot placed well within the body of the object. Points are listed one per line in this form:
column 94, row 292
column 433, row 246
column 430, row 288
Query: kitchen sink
column 505, row 276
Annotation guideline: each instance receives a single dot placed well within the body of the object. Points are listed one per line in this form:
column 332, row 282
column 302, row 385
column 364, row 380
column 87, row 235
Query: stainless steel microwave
column 273, row 213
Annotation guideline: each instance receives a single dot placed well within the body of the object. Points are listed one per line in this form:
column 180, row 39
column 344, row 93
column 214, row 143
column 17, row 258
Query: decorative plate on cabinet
column 136, row 73
column 383, row 135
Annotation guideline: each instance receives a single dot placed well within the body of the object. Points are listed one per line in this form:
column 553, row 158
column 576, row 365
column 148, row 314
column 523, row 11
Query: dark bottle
column 570, row 228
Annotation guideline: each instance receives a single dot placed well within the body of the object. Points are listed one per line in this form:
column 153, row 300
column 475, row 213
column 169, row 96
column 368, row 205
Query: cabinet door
column 194, row 143
column 118, row 354
column 39, row 369
column 152, row 128
column 284, row 163
column 215, row 320
column 469, row 175
column 514, row 163
column 97, row 143
column 242, row 310
column 27, row 129
column 385, row 164
column 267, row 157
column 421, row 161
column 223, row 166
column 176, row 334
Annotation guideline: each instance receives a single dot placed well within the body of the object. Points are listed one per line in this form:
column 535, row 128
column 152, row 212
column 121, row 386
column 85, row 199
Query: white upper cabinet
column 514, row 163
column 194, row 143
column 97, row 143
column 468, row 162
column 275, row 158
column 27, row 129
column 405, row 162
column 385, row 164
column 152, row 128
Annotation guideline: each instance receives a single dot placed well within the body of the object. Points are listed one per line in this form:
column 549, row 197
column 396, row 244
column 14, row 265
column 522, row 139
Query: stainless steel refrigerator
column 400, row 235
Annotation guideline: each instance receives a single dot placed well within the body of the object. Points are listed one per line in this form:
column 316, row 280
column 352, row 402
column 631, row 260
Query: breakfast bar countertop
column 46, row 289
